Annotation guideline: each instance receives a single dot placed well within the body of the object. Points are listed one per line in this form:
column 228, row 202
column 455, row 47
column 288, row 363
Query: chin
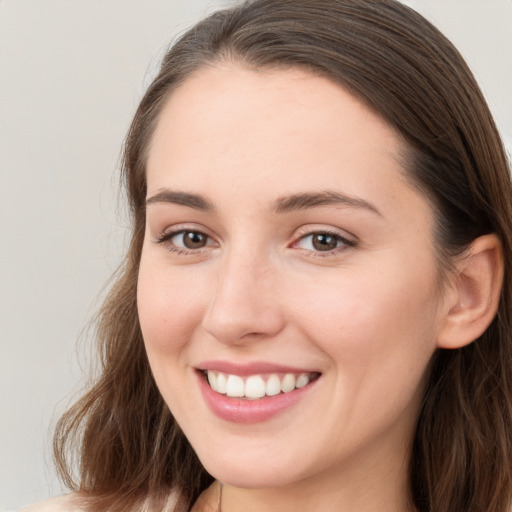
column 250, row 478
column 251, row 472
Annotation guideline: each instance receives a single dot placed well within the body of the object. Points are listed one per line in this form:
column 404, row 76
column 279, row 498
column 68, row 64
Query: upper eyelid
column 300, row 233
column 183, row 227
column 313, row 229
column 345, row 240
column 171, row 233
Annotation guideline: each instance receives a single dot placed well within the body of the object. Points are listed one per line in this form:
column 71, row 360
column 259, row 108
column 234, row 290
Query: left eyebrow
column 195, row 201
column 326, row 198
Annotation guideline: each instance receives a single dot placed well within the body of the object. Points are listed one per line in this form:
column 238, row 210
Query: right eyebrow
column 194, row 201
column 304, row 201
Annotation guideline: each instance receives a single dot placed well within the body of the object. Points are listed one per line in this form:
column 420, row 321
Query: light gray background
column 71, row 74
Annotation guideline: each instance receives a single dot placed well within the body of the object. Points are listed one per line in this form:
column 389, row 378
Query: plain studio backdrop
column 71, row 75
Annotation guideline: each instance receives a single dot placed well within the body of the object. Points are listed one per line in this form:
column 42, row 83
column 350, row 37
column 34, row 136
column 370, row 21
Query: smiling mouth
column 254, row 387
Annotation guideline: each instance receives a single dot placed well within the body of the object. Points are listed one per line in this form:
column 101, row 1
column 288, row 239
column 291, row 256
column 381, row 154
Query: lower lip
column 236, row 410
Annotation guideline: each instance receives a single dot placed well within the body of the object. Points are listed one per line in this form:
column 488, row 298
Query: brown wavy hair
column 127, row 447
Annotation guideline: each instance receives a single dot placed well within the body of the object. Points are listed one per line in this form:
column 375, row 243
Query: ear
column 473, row 298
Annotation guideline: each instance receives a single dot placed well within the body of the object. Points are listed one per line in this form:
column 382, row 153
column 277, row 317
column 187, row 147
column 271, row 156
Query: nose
column 245, row 304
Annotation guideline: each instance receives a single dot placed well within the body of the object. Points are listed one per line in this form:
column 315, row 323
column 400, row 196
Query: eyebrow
column 326, row 198
column 285, row 204
column 195, row 201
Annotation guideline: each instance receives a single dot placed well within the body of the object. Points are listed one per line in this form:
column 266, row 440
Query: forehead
column 218, row 103
column 233, row 130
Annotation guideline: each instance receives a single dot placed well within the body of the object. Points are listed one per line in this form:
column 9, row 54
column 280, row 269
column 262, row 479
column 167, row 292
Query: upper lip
column 256, row 367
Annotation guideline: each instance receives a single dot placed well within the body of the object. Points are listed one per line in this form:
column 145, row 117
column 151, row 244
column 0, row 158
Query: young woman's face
column 286, row 256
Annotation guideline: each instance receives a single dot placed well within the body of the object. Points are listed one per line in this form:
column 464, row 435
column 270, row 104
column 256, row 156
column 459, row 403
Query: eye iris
column 324, row 242
column 193, row 240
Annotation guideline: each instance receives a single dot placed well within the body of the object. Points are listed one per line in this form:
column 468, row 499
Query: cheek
column 379, row 329
column 355, row 304
column 169, row 308
column 380, row 341
column 169, row 311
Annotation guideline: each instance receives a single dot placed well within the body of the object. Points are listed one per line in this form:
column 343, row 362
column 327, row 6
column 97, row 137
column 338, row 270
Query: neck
column 325, row 493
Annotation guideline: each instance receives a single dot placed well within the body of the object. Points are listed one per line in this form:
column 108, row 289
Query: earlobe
column 477, row 288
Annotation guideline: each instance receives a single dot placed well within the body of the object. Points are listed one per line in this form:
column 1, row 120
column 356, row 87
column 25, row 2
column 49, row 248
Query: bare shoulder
column 65, row 503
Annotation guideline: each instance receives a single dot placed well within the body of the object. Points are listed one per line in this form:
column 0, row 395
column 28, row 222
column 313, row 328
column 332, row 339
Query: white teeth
column 302, row 380
column 288, row 383
column 255, row 386
column 222, row 383
column 273, row 386
column 212, row 380
column 235, row 386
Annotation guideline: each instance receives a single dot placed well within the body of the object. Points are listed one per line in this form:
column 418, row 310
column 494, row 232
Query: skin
column 367, row 315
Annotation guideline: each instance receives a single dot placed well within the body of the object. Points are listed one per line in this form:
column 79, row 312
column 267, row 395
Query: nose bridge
column 244, row 302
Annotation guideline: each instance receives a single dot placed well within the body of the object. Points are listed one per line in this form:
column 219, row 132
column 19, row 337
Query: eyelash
column 345, row 243
column 166, row 237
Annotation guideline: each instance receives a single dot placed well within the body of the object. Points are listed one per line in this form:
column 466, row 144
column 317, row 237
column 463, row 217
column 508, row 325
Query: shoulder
column 65, row 503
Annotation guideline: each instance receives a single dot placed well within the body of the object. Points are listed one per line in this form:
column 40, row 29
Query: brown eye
column 192, row 239
column 178, row 241
column 324, row 242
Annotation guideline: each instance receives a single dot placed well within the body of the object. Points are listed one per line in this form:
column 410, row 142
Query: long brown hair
column 130, row 450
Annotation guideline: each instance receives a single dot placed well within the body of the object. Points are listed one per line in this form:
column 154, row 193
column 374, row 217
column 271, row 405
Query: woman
column 315, row 309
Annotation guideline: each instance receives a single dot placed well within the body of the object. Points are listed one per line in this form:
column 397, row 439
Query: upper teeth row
column 255, row 386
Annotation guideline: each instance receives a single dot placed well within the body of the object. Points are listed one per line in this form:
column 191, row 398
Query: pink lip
column 237, row 410
column 253, row 368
